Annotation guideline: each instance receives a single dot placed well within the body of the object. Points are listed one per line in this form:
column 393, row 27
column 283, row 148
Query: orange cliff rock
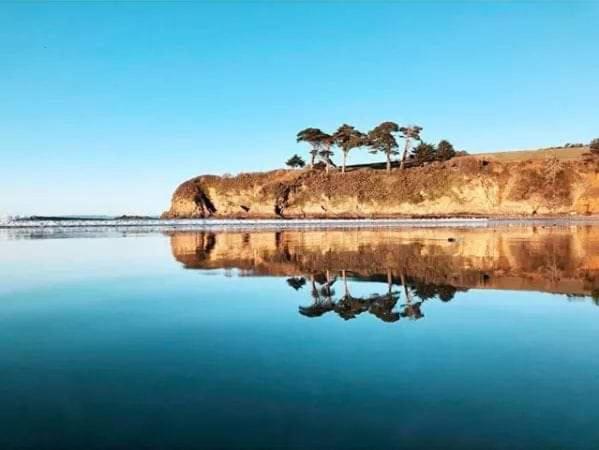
column 464, row 186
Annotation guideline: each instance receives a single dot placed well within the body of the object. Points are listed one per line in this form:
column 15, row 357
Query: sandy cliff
column 462, row 186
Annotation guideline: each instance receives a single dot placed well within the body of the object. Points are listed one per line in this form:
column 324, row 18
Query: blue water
column 110, row 343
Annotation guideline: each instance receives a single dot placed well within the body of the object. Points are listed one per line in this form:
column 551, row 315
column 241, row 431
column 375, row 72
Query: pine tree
column 381, row 139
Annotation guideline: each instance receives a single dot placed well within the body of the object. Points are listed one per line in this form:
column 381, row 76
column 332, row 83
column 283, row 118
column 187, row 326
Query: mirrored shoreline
column 412, row 265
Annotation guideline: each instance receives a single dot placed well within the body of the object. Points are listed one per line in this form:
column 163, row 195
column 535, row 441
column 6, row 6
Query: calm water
column 415, row 339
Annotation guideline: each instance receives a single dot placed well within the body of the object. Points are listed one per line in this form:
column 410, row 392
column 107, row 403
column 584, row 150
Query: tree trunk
column 344, row 160
column 345, row 288
column 406, row 290
column 405, row 154
column 388, row 162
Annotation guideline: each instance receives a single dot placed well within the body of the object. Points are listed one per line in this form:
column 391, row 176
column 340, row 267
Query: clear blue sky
column 106, row 107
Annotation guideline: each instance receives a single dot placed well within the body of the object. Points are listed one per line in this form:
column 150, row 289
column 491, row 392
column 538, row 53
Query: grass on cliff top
column 562, row 154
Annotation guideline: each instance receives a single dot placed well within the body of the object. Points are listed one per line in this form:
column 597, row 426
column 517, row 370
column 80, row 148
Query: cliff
column 463, row 186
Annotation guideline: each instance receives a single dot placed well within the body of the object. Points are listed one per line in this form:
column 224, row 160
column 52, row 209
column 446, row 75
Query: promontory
column 536, row 183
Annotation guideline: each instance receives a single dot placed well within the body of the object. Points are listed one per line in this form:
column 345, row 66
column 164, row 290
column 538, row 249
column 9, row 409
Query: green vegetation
column 296, row 162
column 381, row 139
column 320, row 143
column 314, row 137
column 445, row 150
column 347, row 138
column 424, row 153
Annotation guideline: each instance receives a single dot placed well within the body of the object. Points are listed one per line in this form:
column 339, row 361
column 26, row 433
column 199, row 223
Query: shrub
column 594, row 145
column 296, row 162
column 445, row 151
column 424, row 153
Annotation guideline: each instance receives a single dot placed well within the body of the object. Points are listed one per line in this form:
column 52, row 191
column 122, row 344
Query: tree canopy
column 381, row 139
column 347, row 138
column 424, row 153
column 445, row 150
column 296, row 161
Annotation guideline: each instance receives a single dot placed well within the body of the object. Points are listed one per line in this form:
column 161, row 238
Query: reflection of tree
column 296, row 282
column 383, row 306
column 426, row 291
column 322, row 297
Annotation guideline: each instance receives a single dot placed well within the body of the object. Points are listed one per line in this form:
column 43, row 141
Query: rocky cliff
column 463, row 186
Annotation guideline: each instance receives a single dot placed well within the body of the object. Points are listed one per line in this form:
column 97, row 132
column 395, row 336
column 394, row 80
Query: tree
column 347, row 138
column 381, row 139
column 424, row 153
column 409, row 133
column 312, row 136
column 445, row 150
column 594, row 145
column 296, row 161
column 325, row 143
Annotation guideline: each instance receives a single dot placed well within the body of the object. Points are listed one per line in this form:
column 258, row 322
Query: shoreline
column 257, row 224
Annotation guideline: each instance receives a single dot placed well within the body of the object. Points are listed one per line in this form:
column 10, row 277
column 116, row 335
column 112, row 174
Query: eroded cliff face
column 460, row 187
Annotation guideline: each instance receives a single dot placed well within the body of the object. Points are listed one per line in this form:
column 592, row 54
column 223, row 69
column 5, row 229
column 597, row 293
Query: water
column 331, row 339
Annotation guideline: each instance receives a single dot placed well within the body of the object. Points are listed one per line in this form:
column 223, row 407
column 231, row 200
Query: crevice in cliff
column 283, row 195
column 204, row 203
column 206, row 244
column 281, row 201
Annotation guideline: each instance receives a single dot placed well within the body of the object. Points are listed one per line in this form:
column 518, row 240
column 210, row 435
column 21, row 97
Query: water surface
column 393, row 338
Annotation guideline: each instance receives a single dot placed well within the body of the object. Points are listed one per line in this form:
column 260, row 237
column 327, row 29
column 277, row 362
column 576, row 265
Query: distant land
column 85, row 217
column 546, row 182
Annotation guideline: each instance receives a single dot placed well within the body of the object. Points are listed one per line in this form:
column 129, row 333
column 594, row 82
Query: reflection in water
column 101, row 338
column 416, row 265
column 381, row 305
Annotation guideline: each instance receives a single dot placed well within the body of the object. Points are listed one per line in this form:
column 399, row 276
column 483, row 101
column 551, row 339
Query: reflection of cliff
column 552, row 259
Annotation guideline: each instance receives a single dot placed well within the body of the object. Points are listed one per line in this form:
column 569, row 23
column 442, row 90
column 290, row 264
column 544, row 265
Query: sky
column 106, row 107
